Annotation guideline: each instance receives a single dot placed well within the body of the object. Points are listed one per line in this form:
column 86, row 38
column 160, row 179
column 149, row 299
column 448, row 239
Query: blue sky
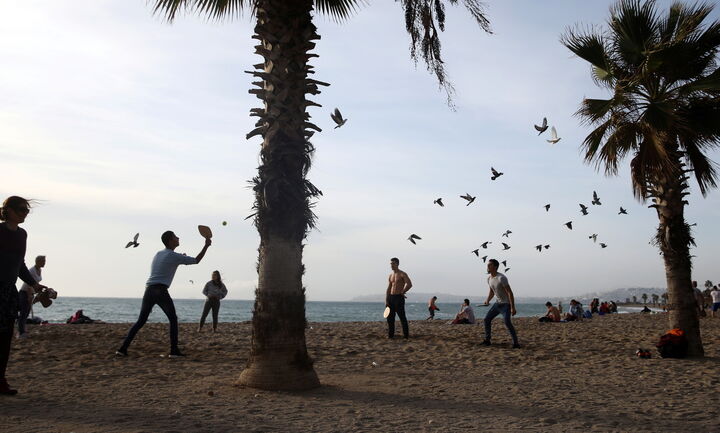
column 121, row 123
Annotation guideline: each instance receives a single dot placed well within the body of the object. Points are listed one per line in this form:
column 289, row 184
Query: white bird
column 542, row 127
column 337, row 118
column 553, row 136
column 133, row 243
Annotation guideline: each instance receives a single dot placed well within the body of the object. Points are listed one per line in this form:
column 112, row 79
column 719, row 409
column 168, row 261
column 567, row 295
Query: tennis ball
column 224, row 223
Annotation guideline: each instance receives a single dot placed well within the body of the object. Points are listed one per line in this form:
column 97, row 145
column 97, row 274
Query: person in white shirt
column 214, row 291
column 505, row 304
column 162, row 272
column 26, row 294
column 715, row 294
column 466, row 315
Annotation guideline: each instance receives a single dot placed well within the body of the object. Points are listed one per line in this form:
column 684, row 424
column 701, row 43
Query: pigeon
column 469, row 198
column 133, row 243
column 622, row 211
column 505, row 246
column 483, row 258
column 495, row 173
column 593, row 237
column 542, row 128
column 583, row 209
column 476, row 252
column 337, row 118
column 546, row 246
column 553, row 136
column 569, row 224
column 547, row 207
column 596, row 199
column 192, row 282
column 602, row 245
column 504, row 262
column 485, row 244
column 413, row 237
column 507, row 233
column 439, row 202
column 506, row 269
column 538, row 247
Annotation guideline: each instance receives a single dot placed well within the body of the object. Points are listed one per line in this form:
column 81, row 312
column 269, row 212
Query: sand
column 566, row 377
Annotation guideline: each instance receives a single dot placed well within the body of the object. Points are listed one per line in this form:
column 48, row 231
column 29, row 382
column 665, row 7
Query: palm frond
column 214, row 9
column 703, row 167
column 338, row 10
column 634, row 25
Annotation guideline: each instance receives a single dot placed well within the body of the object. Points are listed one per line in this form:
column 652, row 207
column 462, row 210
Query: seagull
column 506, row 269
column 507, row 233
column 569, row 224
column 469, row 198
column 495, row 173
column 542, row 127
column 483, row 258
column 547, row 246
column 485, row 244
column 413, row 237
column 547, row 207
column 133, row 243
column 538, row 247
column 504, row 262
column 553, row 136
column 596, row 199
column 476, row 252
column 505, row 246
column 593, row 237
column 583, row 209
column 603, row 245
column 439, row 202
column 337, row 118
column 622, row 211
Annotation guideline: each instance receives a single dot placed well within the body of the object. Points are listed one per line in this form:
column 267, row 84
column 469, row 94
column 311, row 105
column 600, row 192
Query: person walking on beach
column 25, row 298
column 699, row 299
column 398, row 285
column 505, row 303
column 13, row 243
column 432, row 307
column 214, row 291
column 715, row 295
column 162, row 272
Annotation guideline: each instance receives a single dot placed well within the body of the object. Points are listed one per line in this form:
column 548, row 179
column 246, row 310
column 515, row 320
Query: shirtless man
column 398, row 284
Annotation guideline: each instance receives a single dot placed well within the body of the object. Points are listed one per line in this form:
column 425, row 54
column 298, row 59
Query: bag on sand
column 673, row 344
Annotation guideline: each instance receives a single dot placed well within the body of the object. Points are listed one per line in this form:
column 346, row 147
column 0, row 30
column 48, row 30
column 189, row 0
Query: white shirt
column 715, row 296
column 164, row 265
column 498, row 284
column 469, row 313
column 35, row 274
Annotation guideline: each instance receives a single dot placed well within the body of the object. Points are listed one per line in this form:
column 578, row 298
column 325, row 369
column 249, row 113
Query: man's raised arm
column 200, row 256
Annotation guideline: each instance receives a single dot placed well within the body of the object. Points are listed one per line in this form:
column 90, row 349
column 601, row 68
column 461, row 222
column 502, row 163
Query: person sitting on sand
column 576, row 311
column 432, row 308
column 466, row 315
column 398, row 284
column 80, row 319
column 613, row 307
column 552, row 315
column 214, row 291
column 604, row 309
column 715, row 295
column 505, row 304
column 646, row 310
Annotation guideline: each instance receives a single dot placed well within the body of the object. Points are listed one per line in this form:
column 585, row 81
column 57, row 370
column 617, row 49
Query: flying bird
column 469, row 198
column 337, row 118
column 596, row 199
column 547, row 207
column 439, row 202
column 504, row 262
column 593, row 237
column 505, row 246
column 603, row 245
column 507, row 233
column 192, row 282
column 485, row 244
column 413, row 237
column 506, row 269
column 583, row 209
column 543, row 127
column 547, row 246
column 622, row 211
column 476, row 252
column 538, row 247
column 483, row 258
column 133, row 243
column 495, row 173
column 569, row 225
column 553, row 136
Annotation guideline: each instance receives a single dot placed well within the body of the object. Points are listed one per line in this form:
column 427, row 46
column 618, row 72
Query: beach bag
column 673, row 344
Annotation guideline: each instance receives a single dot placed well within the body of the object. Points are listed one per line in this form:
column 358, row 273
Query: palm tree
column 644, row 296
column 655, row 298
column 708, row 284
column 664, row 297
column 663, row 110
column 634, row 299
column 283, row 195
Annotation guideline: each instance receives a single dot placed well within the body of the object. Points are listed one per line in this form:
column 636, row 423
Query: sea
column 126, row 310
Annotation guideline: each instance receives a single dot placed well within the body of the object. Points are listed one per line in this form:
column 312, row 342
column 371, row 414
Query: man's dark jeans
column 397, row 305
column 155, row 294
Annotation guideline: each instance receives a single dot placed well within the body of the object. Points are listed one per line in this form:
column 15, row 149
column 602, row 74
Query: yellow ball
column 224, row 223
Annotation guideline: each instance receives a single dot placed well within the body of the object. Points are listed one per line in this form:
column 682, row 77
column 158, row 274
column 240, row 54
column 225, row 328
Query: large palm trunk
column 278, row 355
column 674, row 239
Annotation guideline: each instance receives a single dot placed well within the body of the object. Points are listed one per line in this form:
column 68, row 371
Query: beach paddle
column 205, row 231
column 386, row 313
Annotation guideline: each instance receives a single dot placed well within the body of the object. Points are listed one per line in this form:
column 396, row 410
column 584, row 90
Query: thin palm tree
column 664, row 111
column 644, row 297
column 283, row 195
column 655, row 298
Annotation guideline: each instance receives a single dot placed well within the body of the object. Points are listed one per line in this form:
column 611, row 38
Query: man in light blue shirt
column 162, row 272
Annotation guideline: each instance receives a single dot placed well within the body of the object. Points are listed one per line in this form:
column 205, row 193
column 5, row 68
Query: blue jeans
column 504, row 309
column 155, row 295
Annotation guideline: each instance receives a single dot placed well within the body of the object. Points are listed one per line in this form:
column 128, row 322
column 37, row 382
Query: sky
column 119, row 122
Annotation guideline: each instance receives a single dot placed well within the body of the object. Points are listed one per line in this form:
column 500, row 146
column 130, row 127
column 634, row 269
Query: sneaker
column 516, row 346
column 5, row 388
column 176, row 354
column 121, row 352
column 485, row 342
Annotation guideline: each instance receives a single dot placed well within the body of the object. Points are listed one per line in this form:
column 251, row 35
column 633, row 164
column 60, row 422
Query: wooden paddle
column 205, row 231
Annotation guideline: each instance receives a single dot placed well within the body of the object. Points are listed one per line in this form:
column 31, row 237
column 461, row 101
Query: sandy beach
column 566, row 377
